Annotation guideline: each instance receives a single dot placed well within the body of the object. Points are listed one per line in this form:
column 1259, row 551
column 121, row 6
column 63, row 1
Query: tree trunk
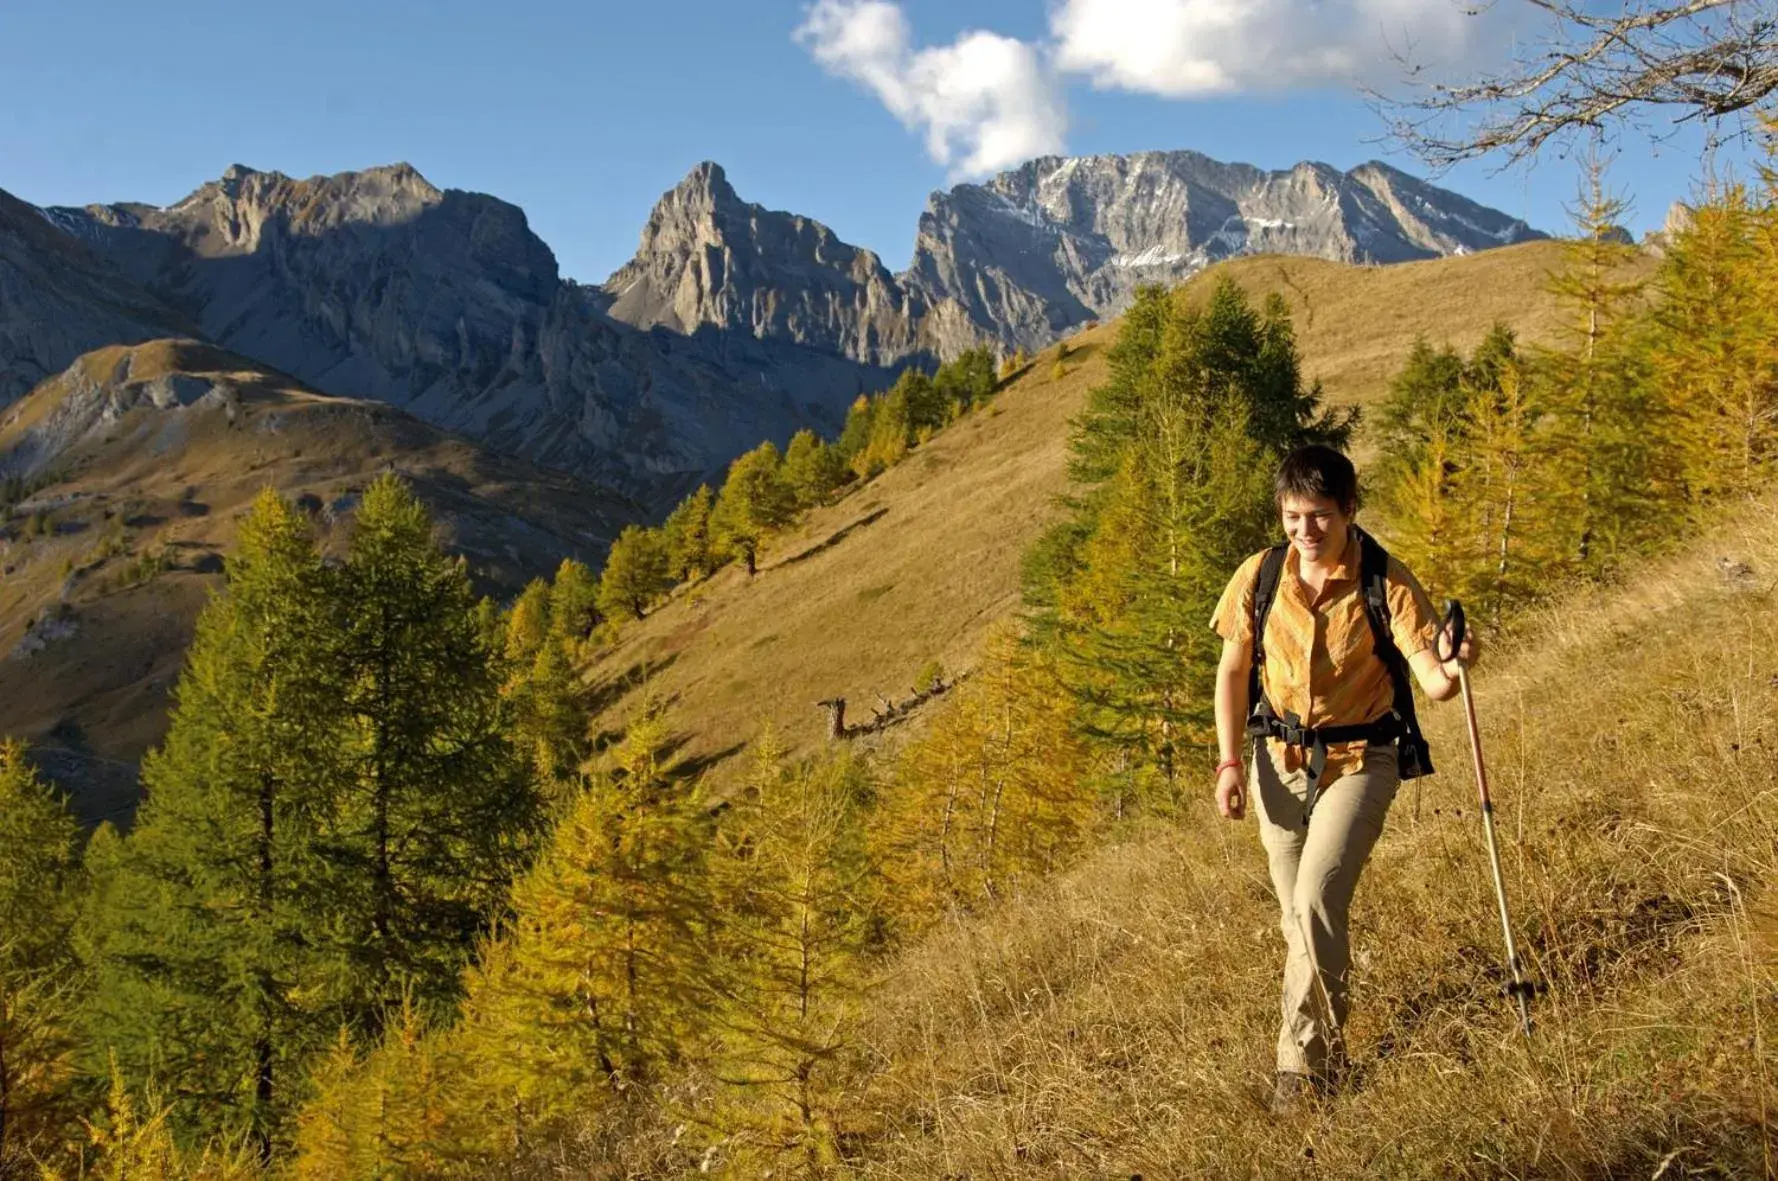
column 382, row 882
column 836, row 718
column 5, row 1070
column 262, row 1045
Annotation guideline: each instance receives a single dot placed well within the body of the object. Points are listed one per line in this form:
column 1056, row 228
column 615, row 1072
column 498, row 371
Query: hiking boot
column 1293, row 1093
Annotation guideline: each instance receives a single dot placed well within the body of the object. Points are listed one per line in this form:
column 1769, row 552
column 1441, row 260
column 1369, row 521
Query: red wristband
column 1234, row 762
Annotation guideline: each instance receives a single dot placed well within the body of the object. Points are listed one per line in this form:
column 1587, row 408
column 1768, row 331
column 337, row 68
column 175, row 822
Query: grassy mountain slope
column 1355, row 323
column 107, row 563
column 917, row 565
column 1120, row 1019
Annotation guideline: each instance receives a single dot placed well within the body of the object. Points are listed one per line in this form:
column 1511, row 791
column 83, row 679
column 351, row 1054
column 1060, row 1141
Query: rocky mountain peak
column 708, row 181
column 377, row 283
column 1041, row 248
column 232, row 176
column 707, row 259
column 241, row 202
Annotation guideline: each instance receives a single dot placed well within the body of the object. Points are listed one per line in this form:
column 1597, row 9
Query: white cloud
column 1191, row 48
column 987, row 102
column 984, row 102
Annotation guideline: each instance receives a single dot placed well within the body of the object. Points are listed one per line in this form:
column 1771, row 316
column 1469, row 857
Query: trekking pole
column 1520, row 987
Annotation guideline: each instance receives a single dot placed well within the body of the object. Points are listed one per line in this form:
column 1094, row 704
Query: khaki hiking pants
column 1314, row 871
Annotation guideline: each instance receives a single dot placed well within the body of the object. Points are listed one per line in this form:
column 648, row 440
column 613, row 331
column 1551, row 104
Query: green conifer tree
column 892, row 432
column 528, row 623
column 968, row 378
column 927, row 406
column 1426, row 398
column 1602, row 432
column 210, row 978
column 596, row 984
column 687, row 531
column 1174, row 456
column 753, row 503
column 793, row 881
column 1708, row 363
column 855, row 437
column 573, row 604
column 1500, row 492
column 42, row 983
column 812, row 469
column 436, row 812
column 635, row 574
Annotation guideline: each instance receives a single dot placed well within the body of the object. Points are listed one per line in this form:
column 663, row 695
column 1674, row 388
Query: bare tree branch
column 1698, row 59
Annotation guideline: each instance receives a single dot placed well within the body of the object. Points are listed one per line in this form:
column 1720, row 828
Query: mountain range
column 732, row 323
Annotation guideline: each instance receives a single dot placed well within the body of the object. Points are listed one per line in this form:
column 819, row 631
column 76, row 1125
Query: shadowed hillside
column 133, row 467
column 916, row 565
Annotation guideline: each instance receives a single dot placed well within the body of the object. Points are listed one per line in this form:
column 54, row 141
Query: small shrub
column 115, row 541
column 930, row 677
column 143, row 569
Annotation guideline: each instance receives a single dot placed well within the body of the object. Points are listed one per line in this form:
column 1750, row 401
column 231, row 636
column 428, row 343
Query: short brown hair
column 1320, row 473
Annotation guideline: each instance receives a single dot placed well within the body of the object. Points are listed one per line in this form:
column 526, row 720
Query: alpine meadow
column 757, row 717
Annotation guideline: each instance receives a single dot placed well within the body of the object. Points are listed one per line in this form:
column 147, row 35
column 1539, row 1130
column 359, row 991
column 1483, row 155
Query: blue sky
column 583, row 113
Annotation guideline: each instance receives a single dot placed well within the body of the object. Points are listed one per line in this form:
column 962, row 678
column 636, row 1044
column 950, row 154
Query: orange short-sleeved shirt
column 1321, row 661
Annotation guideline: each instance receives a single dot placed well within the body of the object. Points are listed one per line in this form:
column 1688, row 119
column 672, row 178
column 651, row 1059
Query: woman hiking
column 1325, row 697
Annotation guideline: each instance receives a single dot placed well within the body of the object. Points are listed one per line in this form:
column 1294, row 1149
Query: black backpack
column 1402, row 726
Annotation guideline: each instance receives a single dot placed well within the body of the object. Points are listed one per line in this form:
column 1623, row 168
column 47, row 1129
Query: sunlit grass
column 1121, row 1019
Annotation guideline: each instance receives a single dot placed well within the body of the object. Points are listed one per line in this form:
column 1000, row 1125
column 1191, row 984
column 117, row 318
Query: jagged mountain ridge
column 708, row 258
column 1062, row 240
column 444, row 303
column 732, row 323
column 1026, row 256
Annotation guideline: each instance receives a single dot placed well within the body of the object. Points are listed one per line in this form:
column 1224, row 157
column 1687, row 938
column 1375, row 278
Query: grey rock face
column 377, row 284
column 58, row 301
column 1025, row 257
column 1059, row 241
column 732, row 324
column 709, row 259
column 93, row 405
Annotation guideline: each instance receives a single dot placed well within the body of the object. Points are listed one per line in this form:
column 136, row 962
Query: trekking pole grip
column 1455, row 625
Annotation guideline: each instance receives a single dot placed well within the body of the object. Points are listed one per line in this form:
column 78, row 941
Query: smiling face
column 1317, row 527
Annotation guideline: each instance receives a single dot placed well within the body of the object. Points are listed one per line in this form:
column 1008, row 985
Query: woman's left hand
column 1466, row 653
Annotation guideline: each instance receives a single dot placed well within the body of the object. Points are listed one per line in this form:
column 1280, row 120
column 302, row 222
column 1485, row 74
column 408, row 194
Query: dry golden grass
column 919, row 563
column 174, row 483
column 909, row 568
column 1120, row 1019
column 1354, row 324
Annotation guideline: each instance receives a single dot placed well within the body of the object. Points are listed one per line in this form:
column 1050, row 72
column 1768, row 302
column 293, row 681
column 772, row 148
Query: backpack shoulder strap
column 1373, row 566
column 1373, row 575
column 1265, row 589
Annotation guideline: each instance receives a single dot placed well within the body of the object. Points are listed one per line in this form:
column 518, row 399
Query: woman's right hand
column 1230, row 798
